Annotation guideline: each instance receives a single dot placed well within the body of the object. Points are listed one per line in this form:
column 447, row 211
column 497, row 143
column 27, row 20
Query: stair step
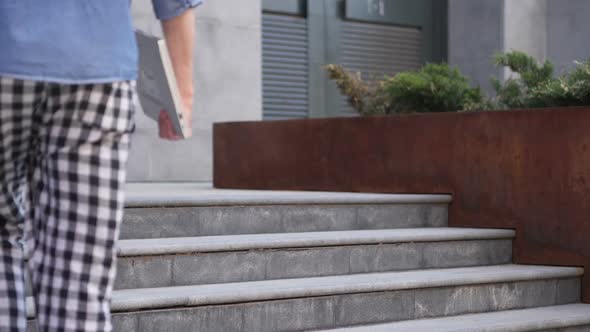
column 234, row 258
column 326, row 302
column 189, row 194
column 573, row 317
column 338, row 301
column 130, row 300
column 141, row 247
column 179, row 210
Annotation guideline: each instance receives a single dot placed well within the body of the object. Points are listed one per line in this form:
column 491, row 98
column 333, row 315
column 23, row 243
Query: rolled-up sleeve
column 167, row 9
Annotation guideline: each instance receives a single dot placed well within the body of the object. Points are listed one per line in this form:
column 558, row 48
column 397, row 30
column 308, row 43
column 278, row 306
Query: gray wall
column 228, row 88
column 568, row 31
column 476, row 32
column 547, row 29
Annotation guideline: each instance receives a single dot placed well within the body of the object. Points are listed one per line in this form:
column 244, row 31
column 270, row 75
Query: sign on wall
column 401, row 12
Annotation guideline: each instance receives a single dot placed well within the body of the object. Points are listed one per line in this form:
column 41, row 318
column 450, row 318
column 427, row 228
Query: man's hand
column 165, row 124
column 180, row 35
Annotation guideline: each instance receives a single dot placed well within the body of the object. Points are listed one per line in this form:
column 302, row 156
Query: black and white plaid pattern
column 63, row 152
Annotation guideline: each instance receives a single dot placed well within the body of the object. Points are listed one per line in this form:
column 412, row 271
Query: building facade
column 552, row 30
column 263, row 59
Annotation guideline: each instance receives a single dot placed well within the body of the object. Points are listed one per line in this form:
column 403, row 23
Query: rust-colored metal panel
column 528, row 170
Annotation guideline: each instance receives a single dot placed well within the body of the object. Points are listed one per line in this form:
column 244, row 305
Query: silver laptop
column 156, row 85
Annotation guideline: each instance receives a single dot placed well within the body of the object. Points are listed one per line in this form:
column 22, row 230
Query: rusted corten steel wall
column 525, row 170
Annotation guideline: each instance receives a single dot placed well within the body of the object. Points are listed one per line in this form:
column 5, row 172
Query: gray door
column 377, row 50
column 375, row 37
column 284, row 66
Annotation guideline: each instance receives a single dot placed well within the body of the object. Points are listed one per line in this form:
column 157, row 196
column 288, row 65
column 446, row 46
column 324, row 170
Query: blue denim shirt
column 73, row 41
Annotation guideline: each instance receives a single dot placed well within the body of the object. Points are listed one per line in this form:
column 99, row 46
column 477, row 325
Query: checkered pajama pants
column 63, row 152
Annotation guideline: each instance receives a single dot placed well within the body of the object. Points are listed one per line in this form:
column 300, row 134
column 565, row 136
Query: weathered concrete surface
column 157, row 210
column 146, row 223
column 209, row 268
column 136, row 299
column 345, row 309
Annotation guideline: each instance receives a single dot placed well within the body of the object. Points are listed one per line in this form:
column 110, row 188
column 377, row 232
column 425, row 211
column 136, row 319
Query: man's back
column 67, row 40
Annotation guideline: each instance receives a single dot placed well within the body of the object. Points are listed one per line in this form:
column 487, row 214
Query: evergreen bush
column 434, row 88
column 535, row 84
column 441, row 88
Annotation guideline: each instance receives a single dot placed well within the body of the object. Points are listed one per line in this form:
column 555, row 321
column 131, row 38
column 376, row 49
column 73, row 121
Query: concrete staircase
column 196, row 259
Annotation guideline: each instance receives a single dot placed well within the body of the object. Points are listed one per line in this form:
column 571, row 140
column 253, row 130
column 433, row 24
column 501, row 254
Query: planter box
column 526, row 170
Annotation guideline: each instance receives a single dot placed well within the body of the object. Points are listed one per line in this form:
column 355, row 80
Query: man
column 67, row 71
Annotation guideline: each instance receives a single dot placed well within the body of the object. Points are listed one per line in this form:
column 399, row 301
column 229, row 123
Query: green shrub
column 441, row 88
column 360, row 95
column 535, row 84
column 434, row 88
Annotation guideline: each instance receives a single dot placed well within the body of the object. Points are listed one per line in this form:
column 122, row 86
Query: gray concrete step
column 339, row 301
column 216, row 259
column 329, row 302
column 180, row 210
column 564, row 318
column 195, row 194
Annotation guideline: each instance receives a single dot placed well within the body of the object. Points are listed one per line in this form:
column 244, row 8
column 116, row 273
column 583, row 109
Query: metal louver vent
column 376, row 50
column 284, row 68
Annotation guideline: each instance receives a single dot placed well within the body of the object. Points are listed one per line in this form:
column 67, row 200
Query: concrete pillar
column 228, row 88
column 525, row 27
